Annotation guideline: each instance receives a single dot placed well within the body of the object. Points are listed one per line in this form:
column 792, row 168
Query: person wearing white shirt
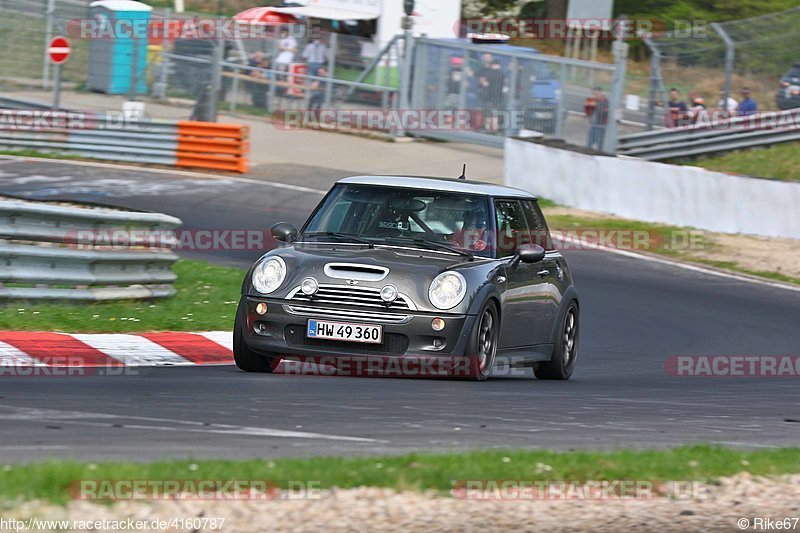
column 732, row 106
column 287, row 48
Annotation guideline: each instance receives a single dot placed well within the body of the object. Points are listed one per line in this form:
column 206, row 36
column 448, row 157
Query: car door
column 525, row 289
column 548, row 271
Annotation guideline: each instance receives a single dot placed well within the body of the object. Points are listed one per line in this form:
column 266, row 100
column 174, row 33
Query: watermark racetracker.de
column 733, row 366
column 194, row 489
column 224, row 240
column 517, row 490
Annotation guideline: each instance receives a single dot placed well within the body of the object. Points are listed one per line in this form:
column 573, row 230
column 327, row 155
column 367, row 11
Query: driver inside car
column 473, row 234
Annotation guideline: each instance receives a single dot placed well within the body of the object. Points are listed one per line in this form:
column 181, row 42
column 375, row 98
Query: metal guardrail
column 721, row 136
column 73, row 253
column 183, row 143
column 6, row 102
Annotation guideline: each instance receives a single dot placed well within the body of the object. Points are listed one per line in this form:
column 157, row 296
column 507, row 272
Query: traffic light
column 409, row 7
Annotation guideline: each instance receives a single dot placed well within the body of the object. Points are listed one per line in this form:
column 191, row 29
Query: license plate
column 340, row 331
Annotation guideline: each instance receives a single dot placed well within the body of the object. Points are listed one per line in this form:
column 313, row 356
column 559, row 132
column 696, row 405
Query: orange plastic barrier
column 213, row 146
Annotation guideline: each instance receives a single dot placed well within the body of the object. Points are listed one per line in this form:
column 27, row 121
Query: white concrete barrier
column 655, row 192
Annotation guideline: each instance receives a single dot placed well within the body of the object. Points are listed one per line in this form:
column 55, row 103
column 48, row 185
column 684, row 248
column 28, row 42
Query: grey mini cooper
column 431, row 276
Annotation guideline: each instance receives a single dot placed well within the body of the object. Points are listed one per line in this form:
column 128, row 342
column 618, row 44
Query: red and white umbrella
column 265, row 15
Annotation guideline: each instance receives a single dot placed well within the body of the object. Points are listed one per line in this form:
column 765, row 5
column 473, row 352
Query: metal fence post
column 730, row 55
column 655, row 82
column 51, row 8
column 134, row 77
column 512, row 128
column 57, row 88
column 560, row 108
column 420, row 77
column 617, row 90
column 164, row 75
column 334, row 49
column 216, row 77
column 405, row 77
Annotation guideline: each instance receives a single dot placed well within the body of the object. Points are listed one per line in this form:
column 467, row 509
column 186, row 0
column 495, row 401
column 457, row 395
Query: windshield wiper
column 432, row 244
column 336, row 234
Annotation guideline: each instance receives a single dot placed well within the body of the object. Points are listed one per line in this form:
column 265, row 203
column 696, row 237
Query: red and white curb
column 22, row 348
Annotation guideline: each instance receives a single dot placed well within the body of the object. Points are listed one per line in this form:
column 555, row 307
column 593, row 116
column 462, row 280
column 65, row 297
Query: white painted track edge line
column 186, row 173
column 685, row 266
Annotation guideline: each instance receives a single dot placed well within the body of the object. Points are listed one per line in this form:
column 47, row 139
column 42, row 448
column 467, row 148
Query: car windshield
column 405, row 217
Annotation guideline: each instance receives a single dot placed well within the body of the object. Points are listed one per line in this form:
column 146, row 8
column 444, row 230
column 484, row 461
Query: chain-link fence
column 504, row 90
column 27, row 26
column 324, row 71
column 723, row 60
column 510, row 89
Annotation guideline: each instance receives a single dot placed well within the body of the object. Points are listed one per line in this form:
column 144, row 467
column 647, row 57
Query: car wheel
column 482, row 348
column 245, row 358
column 565, row 351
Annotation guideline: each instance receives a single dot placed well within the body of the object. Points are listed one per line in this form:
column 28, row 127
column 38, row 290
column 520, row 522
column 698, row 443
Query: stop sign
column 58, row 50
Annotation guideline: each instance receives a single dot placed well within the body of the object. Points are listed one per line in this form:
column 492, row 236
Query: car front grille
column 349, row 315
column 352, row 296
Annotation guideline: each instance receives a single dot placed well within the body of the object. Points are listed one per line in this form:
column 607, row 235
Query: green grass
column 438, row 472
column 780, row 162
column 37, row 153
column 662, row 239
column 669, row 241
column 206, row 300
column 545, row 203
column 376, row 77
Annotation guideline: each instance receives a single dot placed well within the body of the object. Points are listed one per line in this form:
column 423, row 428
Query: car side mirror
column 284, row 232
column 529, row 253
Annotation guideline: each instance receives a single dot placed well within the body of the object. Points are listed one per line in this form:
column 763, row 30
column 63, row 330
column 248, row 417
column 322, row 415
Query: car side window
column 540, row 234
column 512, row 229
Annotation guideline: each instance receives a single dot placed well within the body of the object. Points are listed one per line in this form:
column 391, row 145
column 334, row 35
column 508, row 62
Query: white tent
column 434, row 18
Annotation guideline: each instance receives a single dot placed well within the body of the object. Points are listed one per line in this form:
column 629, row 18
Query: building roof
column 439, row 184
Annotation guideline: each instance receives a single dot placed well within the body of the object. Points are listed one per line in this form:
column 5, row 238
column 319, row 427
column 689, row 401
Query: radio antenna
column 463, row 175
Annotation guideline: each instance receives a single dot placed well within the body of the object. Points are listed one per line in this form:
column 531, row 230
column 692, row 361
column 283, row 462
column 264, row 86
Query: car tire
column 482, row 347
column 245, row 358
column 565, row 349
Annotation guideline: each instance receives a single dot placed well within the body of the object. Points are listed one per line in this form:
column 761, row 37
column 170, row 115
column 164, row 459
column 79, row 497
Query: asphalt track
column 636, row 314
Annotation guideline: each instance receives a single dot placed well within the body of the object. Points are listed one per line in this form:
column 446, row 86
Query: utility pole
column 408, row 49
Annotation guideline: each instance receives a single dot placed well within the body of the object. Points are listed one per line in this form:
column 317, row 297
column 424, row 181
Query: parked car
column 789, row 94
column 454, row 272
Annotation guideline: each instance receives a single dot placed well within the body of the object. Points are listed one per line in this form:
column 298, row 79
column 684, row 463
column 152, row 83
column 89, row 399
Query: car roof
column 439, row 184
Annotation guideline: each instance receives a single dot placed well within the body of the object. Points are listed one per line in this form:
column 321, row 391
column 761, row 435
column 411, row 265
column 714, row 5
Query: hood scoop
column 355, row 271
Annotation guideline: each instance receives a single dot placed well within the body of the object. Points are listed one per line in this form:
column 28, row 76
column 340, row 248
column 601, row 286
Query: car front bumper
column 282, row 332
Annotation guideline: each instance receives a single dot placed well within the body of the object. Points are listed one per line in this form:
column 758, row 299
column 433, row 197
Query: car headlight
column 269, row 275
column 447, row 290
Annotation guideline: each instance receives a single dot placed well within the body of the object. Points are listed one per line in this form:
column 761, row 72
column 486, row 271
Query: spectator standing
column 677, row 110
column 597, row 110
column 451, row 101
column 258, row 88
column 316, row 55
column 490, row 90
column 698, row 111
column 317, row 88
column 287, row 48
column 747, row 106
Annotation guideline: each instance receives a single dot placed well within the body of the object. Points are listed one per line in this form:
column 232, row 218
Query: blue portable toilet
column 118, row 47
